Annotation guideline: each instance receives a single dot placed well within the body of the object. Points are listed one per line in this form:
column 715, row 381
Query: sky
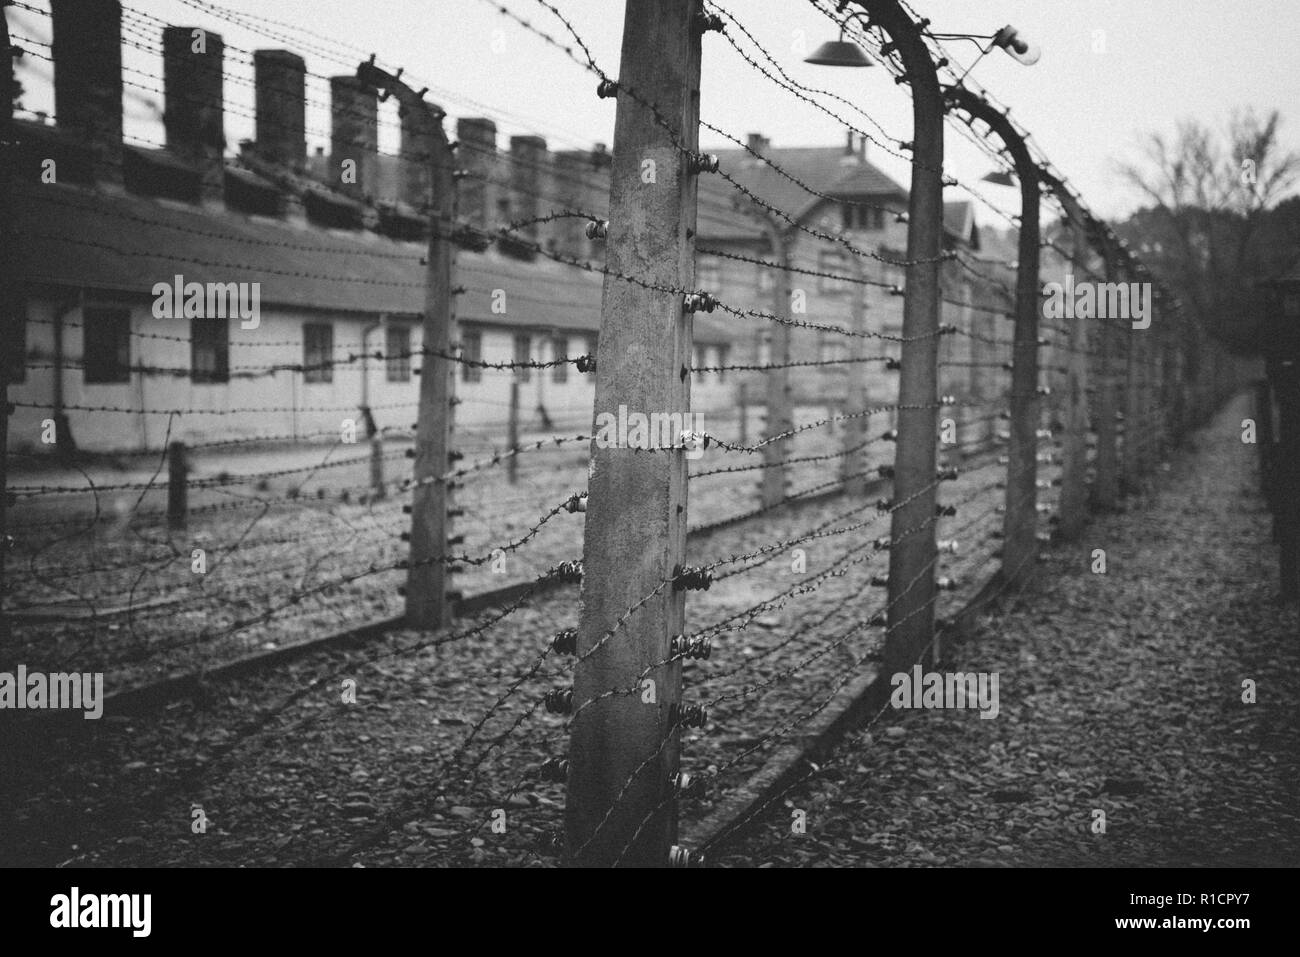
column 1111, row 71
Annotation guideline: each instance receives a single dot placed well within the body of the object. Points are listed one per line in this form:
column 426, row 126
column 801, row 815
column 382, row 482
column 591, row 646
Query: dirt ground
column 1121, row 695
column 448, row 728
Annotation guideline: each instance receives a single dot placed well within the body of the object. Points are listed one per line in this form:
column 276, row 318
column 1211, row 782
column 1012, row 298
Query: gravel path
column 1119, row 693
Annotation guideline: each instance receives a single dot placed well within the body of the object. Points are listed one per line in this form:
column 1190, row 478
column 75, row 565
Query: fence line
column 655, row 652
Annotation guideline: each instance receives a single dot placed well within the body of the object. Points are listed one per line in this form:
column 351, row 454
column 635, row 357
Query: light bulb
column 1017, row 46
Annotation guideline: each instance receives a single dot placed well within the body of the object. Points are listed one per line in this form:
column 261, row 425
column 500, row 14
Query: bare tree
column 1210, row 191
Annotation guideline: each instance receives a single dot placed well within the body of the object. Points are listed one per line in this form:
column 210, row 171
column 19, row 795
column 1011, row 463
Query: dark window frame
column 215, row 336
column 398, row 356
column 317, row 359
column 471, row 349
column 97, row 368
column 832, row 261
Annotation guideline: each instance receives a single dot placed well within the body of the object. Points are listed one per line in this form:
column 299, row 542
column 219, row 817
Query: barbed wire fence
column 716, row 617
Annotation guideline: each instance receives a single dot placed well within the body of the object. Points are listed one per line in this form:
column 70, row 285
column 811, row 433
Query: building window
column 471, row 350
column 523, row 354
column 857, row 216
column 764, row 349
column 722, row 362
column 106, row 346
column 397, row 347
column 317, row 352
column 831, row 261
column 16, row 339
column 560, row 350
column 209, row 350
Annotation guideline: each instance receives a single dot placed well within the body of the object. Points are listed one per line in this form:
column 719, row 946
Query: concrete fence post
column 623, row 749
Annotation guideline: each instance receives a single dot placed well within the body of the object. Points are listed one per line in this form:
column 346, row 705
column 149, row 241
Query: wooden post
column 1133, row 384
column 377, row 467
column 1167, row 419
column 1143, row 427
column 1284, row 371
column 8, row 292
column 1020, row 525
column 742, row 400
column 853, row 465
column 1264, row 437
column 1175, row 367
column 969, row 430
column 1165, row 389
column 427, row 603
column 1105, row 486
column 1100, row 411
column 624, row 746
column 779, row 419
column 1152, row 346
column 178, row 476
column 983, row 352
column 912, row 554
column 512, row 434
column 1073, row 511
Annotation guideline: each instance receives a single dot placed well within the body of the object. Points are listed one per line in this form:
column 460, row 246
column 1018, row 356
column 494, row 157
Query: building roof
column 826, row 170
column 80, row 237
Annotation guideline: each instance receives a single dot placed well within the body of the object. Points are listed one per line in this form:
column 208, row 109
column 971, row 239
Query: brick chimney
column 581, row 184
column 354, row 135
column 478, row 156
column 571, row 167
column 280, row 82
column 415, row 173
column 194, row 119
column 527, row 174
column 87, row 54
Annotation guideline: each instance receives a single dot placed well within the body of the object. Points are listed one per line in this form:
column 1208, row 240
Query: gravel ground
column 322, row 781
column 286, row 773
column 98, row 583
column 1119, row 693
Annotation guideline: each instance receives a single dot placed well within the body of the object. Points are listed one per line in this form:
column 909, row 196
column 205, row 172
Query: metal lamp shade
column 838, row 53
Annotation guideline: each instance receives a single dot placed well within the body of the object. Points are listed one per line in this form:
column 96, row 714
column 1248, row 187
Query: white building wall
column 282, row 403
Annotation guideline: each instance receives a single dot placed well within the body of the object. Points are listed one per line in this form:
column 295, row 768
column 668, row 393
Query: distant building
column 337, row 262
column 838, row 199
column 337, row 265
